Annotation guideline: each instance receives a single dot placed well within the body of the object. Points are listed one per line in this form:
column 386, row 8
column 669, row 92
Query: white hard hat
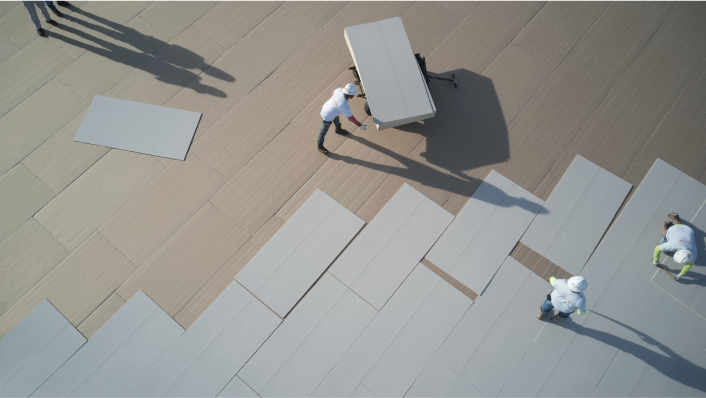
column 577, row 283
column 350, row 89
column 683, row 256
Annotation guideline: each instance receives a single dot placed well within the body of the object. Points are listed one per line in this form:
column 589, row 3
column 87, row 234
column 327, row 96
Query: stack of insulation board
column 395, row 87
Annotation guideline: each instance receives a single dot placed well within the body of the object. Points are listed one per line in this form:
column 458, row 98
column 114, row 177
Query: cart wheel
column 367, row 109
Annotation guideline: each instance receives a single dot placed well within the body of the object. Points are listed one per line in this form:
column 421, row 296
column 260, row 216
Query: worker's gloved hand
column 677, row 277
column 363, row 127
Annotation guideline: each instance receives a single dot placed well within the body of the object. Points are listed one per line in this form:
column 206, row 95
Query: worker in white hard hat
column 337, row 104
column 566, row 297
column 677, row 241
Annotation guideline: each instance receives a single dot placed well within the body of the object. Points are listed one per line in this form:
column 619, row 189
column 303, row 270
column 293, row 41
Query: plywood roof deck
column 620, row 84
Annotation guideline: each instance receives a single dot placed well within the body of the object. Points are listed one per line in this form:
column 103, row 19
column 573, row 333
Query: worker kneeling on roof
column 678, row 241
column 337, row 104
column 566, row 297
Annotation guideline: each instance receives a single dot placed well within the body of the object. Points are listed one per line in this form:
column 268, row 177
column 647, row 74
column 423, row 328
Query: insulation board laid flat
column 578, row 212
column 137, row 127
column 207, row 356
column 120, row 352
column 34, row 349
column 485, row 231
column 396, row 90
column 305, row 348
column 493, row 336
column 294, row 258
column 437, row 380
column 339, row 383
column 237, row 388
column 379, row 260
column 397, row 345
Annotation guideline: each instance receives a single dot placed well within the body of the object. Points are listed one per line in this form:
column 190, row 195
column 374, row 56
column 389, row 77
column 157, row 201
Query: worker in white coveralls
column 337, row 104
column 677, row 241
column 566, row 297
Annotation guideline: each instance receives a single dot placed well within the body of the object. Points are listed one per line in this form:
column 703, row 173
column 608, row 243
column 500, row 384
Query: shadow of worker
column 171, row 63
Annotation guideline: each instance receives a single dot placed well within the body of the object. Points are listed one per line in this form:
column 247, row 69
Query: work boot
column 556, row 318
column 674, row 216
column 341, row 131
column 57, row 13
column 40, row 32
column 322, row 149
column 63, row 3
column 540, row 315
column 53, row 22
column 668, row 224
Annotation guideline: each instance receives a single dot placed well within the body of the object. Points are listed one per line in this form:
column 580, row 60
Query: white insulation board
column 339, row 383
column 294, row 258
column 237, row 389
column 394, row 85
column 397, row 345
column 308, row 344
column 387, row 250
column 137, row 127
column 578, row 212
column 214, row 348
column 485, row 231
column 34, row 349
column 121, row 351
column 437, row 380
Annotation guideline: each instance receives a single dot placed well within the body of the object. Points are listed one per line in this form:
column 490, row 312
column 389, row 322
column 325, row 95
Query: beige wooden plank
column 108, row 61
column 532, row 159
column 78, row 285
column 95, row 196
column 450, row 279
column 28, row 255
column 517, row 12
column 463, row 8
column 7, row 48
column 174, row 66
column 230, row 21
column 423, row 36
column 618, row 36
column 557, row 27
column 315, row 13
column 685, row 23
column 161, row 208
column 27, row 71
column 182, row 266
column 22, row 194
column 60, row 159
column 100, row 316
column 173, row 17
column 220, row 281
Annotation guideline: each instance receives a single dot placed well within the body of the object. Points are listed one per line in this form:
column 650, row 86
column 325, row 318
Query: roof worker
column 337, row 104
column 566, row 297
column 677, row 241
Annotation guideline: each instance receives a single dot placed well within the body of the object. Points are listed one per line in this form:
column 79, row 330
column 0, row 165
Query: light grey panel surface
column 396, row 90
column 294, row 258
column 491, row 223
column 531, row 374
column 339, row 383
column 120, row 352
column 437, row 380
column 387, row 250
column 137, row 127
column 34, row 349
column 237, row 388
column 308, row 344
column 490, row 340
column 578, row 212
column 394, row 349
column 214, row 348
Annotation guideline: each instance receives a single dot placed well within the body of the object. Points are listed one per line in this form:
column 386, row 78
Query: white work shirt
column 679, row 237
column 566, row 301
column 336, row 105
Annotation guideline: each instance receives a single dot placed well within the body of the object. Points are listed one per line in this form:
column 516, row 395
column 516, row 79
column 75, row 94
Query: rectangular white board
column 485, row 231
column 394, row 85
column 294, row 258
column 34, row 349
column 339, row 383
column 308, row 344
column 121, row 351
column 237, row 389
column 387, row 250
column 214, row 348
column 577, row 215
column 437, row 380
column 137, row 127
column 394, row 349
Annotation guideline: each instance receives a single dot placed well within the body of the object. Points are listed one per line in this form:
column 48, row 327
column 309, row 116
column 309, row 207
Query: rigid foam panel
column 437, row 380
column 339, row 383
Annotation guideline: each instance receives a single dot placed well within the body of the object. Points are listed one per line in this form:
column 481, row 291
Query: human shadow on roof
column 169, row 63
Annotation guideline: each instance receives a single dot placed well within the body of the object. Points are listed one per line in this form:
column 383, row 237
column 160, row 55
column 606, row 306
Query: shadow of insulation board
column 394, row 85
column 34, row 349
column 296, row 256
column 137, row 127
column 578, row 212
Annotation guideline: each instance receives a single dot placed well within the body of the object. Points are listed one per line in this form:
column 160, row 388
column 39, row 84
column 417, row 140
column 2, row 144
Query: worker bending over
column 566, row 297
column 337, row 104
column 678, row 241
